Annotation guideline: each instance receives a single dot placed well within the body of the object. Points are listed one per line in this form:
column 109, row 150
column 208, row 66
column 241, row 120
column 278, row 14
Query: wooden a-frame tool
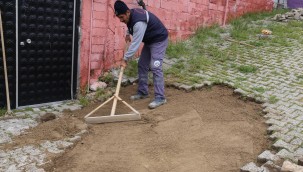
column 112, row 117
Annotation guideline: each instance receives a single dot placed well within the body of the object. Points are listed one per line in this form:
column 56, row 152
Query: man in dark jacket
column 145, row 27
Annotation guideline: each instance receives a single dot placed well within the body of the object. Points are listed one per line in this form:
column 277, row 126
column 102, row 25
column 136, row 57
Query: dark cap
column 120, row 7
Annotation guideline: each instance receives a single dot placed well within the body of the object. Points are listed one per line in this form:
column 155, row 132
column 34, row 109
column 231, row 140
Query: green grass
column 198, row 63
column 300, row 76
column 83, row 101
column 204, row 51
column 176, row 50
column 2, row 112
column 259, row 89
column 241, row 79
column 273, row 99
column 205, row 33
column 132, row 69
column 247, row 69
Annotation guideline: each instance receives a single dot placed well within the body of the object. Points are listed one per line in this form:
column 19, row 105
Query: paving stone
column 251, row 167
column 285, row 154
column 296, row 141
column 198, row 86
column 267, row 156
column 282, row 144
column 186, row 87
column 276, row 122
column 271, row 166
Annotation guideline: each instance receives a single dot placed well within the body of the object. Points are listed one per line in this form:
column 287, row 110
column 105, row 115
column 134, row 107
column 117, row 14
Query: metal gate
column 46, row 51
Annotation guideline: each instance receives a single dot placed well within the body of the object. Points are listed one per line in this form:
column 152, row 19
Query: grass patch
column 273, row 99
column 83, row 101
column 132, row 69
column 198, row 63
column 259, row 89
column 300, row 77
column 2, row 112
column 247, row 69
column 204, row 33
column 176, row 50
column 241, row 79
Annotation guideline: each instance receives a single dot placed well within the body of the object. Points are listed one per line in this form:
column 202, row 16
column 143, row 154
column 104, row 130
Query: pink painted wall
column 102, row 39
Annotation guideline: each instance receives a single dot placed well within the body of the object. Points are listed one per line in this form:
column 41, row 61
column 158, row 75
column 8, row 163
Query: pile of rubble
column 294, row 14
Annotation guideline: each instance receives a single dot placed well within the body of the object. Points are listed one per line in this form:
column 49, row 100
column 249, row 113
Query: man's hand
column 124, row 63
column 127, row 38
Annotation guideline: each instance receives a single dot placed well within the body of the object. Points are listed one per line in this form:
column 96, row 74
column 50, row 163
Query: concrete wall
column 102, row 40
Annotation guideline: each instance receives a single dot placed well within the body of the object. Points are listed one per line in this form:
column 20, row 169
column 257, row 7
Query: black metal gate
column 46, row 51
column 8, row 9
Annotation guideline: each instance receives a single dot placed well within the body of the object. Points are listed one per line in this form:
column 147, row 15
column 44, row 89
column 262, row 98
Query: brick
column 101, row 32
column 101, row 1
column 100, row 6
column 99, row 23
column 97, row 49
column 95, row 57
column 95, row 65
column 98, row 40
column 153, row 3
column 100, row 15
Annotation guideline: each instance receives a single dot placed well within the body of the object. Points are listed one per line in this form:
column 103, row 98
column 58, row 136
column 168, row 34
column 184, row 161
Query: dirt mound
column 57, row 129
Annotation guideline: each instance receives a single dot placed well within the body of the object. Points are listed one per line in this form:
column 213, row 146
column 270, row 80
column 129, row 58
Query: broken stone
column 98, row 85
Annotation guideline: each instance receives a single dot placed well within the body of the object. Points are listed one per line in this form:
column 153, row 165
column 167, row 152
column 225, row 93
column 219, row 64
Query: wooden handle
column 4, row 66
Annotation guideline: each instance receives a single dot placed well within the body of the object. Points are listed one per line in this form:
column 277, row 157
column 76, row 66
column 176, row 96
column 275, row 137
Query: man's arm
column 139, row 31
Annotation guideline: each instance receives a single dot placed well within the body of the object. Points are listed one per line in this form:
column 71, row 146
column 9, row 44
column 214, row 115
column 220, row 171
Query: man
column 145, row 27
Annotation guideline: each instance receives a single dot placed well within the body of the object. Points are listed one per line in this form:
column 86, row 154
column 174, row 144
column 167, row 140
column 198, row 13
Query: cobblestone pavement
column 278, row 82
column 29, row 158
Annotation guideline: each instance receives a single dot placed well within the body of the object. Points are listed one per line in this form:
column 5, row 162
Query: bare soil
column 211, row 130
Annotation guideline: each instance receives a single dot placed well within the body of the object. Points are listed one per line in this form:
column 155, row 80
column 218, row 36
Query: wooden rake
column 112, row 117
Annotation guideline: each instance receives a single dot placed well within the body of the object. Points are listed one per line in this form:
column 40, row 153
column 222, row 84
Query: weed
column 107, row 78
column 2, row 111
column 132, row 69
column 28, row 109
column 176, row 50
column 300, row 77
column 257, row 43
column 99, row 92
column 204, row 33
column 273, row 99
column 198, row 63
column 83, row 101
column 241, row 79
column 247, row 69
column 259, row 89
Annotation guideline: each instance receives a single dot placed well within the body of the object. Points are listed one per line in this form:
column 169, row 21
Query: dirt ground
column 211, row 130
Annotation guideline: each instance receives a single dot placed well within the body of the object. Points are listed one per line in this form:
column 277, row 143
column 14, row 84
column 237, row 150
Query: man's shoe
column 156, row 103
column 138, row 97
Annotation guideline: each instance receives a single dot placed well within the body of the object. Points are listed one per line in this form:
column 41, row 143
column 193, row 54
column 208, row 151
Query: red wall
column 102, row 34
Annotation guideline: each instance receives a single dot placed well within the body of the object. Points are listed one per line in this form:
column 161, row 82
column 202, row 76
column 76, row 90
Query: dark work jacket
column 155, row 31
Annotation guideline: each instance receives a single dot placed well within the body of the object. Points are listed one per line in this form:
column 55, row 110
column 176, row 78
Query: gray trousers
column 152, row 58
